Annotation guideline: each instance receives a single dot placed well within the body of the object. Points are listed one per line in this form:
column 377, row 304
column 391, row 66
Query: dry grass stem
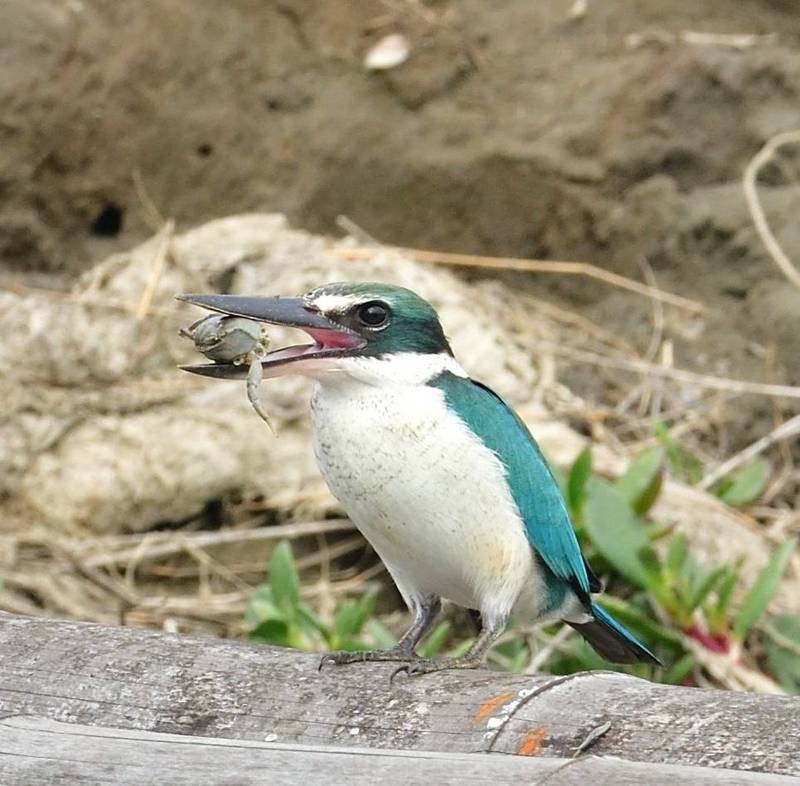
column 157, row 546
column 347, row 225
column 664, row 38
column 184, row 586
column 658, row 313
column 783, row 432
column 573, row 319
column 157, row 268
column 536, row 266
column 677, row 374
column 781, row 640
column 729, row 671
column 9, row 284
column 749, row 181
column 151, row 215
column 552, row 644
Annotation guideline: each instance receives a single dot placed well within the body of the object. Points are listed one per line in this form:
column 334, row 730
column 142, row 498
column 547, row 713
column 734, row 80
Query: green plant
column 745, row 485
column 659, row 589
column 783, row 651
column 683, row 463
column 276, row 614
column 737, row 489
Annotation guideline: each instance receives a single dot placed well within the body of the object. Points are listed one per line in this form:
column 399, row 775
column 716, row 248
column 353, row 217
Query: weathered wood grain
column 141, row 680
column 38, row 752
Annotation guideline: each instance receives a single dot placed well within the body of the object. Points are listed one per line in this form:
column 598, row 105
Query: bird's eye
column 373, row 315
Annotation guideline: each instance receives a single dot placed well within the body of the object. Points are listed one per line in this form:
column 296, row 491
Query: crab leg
column 254, row 377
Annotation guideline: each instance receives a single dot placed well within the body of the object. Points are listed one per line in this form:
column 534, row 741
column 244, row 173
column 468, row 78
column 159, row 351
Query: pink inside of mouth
column 305, row 357
column 333, row 339
column 323, row 339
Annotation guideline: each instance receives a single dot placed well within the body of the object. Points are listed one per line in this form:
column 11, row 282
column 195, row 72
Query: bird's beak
column 331, row 341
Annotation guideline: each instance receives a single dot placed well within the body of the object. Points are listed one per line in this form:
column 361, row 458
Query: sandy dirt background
column 514, row 128
column 153, row 148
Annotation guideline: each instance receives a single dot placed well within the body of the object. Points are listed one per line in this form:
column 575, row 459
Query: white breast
column 427, row 494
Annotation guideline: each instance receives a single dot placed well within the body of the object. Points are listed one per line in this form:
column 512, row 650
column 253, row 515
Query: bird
column 435, row 469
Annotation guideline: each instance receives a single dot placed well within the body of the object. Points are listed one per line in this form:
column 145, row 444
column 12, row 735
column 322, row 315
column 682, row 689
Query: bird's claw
column 406, row 667
column 429, row 666
column 374, row 656
column 335, row 659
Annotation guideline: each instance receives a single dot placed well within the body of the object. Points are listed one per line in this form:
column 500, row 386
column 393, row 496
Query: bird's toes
column 420, row 667
column 337, row 659
column 405, row 668
column 429, row 666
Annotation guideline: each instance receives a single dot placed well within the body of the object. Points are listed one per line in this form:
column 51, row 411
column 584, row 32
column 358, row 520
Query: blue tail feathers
column 611, row 640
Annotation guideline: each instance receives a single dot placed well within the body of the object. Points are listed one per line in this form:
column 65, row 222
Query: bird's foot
column 430, row 665
column 394, row 654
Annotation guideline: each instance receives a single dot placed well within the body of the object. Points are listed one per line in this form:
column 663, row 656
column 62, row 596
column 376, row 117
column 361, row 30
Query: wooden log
column 37, row 752
column 139, row 680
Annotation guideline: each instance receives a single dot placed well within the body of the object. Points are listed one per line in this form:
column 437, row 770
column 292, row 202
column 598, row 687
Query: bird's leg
column 472, row 660
column 425, row 612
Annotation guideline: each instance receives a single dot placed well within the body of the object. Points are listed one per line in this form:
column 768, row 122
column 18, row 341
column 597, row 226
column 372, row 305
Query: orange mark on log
column 487, row 708
column 533, row 742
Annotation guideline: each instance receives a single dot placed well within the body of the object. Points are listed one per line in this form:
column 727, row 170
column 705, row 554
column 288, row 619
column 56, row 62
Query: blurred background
column 600, row 197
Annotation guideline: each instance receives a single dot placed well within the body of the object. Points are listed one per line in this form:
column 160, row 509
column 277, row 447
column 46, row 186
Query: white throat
column 403, row 368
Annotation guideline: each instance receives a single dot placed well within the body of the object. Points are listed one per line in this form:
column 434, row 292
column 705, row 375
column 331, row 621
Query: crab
column 236, row 340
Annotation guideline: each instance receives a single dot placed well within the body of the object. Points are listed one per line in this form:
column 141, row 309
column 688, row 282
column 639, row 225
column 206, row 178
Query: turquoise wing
column 533, row 486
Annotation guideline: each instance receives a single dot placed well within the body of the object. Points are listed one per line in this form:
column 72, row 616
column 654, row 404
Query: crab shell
column 228, row 339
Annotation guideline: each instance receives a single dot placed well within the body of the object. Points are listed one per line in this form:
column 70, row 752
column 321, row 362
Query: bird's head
column 345, row 320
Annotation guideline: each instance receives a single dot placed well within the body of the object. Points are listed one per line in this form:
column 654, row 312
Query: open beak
column 330, row 340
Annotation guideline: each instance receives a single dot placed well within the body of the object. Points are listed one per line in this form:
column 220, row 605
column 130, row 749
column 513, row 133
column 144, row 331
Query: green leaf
column 346, row 621
column 677, row 552
column 703, row 589
column 311, row 621
column 783, row 651
column 352, row 644
column 744, row 486
column 718, row 614
column 650, row 561
column 685, row 466
column 261, row 606
column 513, row 655
column 283, row 578
column 651, row 564
column 461, row 649
column 679, row 670
column 353, row 614
column 272, row 631
column 615, row 531
column 520, row 661
column 757, row 599
column 641, row 484
column 380, row 634
column 510, row 646
column 434, row 643
column 578, row 477
column 366, row 607
column 656, row 530
column 301, row 638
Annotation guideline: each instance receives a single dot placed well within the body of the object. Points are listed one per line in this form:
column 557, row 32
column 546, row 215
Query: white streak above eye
column 335, row 304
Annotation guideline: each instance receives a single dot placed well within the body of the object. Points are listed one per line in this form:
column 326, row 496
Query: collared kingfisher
column 440, row 475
